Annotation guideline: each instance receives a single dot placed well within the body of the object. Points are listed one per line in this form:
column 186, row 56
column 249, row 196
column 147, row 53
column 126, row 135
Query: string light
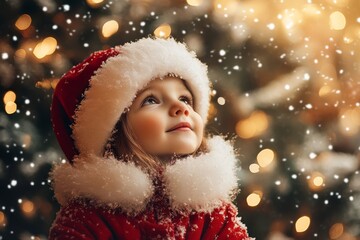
column 337, row 21
column 349, row 121
column 253, row 126
column 221, row 101
column 194, row 3
column 45, row 47
column 47, row 84
column 9, row 101
column 110, row 28
column 23, row 22
column 94, row 3
column 9, row 96
column 324, row 90
column 20, row 53
column 336, row 231
column 10, row 107
column 302, row 224
column 2, row 220
column 28, row 208
column 265, row 157
column 316, row 180
column 254, row 198
column 254, row 168
column 163, row 31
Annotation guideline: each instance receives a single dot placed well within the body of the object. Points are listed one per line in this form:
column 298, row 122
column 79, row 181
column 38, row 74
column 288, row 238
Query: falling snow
column 282, row 76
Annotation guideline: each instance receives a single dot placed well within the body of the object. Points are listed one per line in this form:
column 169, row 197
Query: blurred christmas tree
column 285, row 78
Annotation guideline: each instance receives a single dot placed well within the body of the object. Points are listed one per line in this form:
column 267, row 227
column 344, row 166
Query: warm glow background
column 286, row 90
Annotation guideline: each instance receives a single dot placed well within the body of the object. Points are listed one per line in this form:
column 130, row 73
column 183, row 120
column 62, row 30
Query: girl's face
column 163, row 120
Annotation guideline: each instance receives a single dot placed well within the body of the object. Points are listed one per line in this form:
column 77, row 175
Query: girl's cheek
column 147, row 125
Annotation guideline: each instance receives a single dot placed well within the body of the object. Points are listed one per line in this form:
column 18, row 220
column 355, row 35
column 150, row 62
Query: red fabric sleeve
column 196, row 225
column 78, row 221
column 224, row 224
column 87, row 222
column 74, row 222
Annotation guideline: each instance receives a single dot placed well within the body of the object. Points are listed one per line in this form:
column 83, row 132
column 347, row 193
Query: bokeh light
column 302, row 224
column 253, row 199
column 28, row 208
column 316, row 181
column 221, row 101
column 23, row 22
column 349, row 121
column 110, row 28
column 94, row 3
column 163, row 31
column 2, row 220
column 253, row 126
column 194, row 2
column 254, row 168
column 285, row 90
column 337, row 21
column 265, row 157
column 9, row 96
column 336, row 231
column 45, row 47
column 10, row 107
column 9, row 101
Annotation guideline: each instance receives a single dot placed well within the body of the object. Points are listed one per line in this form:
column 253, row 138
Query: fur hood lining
column 194, row 183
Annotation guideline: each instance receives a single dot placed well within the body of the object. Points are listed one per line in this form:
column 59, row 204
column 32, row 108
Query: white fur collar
column 195, row 183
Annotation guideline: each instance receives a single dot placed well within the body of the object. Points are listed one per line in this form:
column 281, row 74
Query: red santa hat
column 89, row 100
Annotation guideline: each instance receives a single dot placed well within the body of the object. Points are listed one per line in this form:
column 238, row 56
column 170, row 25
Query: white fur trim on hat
column 116, row 82
column 196, row 183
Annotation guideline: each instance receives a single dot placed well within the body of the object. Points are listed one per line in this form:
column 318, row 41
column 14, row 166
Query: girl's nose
column 179, row 108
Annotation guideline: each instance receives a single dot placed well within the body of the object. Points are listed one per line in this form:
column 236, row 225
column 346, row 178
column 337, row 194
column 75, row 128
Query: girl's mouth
column 180, row 126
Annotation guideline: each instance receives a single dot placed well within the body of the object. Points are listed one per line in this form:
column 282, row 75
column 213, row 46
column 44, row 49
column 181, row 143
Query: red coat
column 109, row 199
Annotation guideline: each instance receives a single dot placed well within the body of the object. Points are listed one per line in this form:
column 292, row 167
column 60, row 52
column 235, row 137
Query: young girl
column 130, row 121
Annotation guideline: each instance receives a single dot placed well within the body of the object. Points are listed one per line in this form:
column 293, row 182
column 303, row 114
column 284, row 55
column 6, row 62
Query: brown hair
column 123, row 146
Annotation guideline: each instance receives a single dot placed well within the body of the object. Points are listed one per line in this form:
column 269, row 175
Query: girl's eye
column 149, row 100
column 187, row 100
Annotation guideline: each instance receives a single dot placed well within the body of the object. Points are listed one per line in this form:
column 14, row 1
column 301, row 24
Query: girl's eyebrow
column 143, row 90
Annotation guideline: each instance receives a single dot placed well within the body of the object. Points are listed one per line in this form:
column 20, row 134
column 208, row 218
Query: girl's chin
column 175, row 155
